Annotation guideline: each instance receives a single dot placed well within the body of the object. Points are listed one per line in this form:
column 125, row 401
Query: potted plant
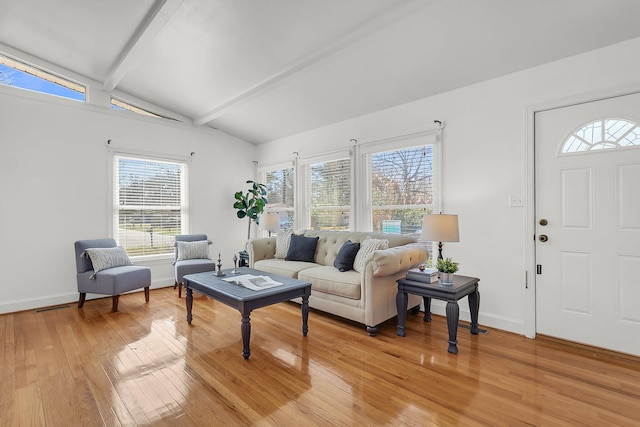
column 251, row 204
column 446, row 267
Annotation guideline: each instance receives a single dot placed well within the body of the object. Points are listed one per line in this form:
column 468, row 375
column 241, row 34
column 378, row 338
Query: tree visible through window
column 330, row 194
column 280, row 194
column 402, row 189
column 149, row 204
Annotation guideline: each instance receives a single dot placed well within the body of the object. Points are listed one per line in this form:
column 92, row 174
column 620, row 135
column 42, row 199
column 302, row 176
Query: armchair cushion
column 104, row 258
column 192, row 250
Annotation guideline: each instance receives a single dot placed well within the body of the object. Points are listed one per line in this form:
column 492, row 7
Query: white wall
column 485, row 159
column 53, row 176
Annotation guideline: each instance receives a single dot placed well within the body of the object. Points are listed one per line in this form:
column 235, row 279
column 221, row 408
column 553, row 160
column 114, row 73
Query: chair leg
column 179, row 290
column 146, row 293
column 83, row 296
column 175, row 284
column 115, row 303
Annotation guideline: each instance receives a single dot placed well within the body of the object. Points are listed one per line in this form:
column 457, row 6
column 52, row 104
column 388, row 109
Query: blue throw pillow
column 346, row 256
column 302, row 248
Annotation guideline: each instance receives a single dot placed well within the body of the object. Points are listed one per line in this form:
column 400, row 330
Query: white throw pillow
column 283, row 240
column 368, row 246
column 193, row 250
column 103, row 258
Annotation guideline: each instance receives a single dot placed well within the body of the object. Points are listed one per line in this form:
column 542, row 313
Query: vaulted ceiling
column 266, row 69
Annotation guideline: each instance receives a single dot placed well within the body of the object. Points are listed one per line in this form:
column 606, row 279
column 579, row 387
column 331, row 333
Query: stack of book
column 429, row 275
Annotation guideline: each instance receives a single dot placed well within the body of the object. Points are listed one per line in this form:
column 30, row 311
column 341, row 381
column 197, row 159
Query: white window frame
column 303, row 219
column 402, row 142
column 262, row 173
column 114, row 200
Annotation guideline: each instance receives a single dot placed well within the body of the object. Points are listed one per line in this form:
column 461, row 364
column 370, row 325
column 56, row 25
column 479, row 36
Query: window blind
column 401, row 188
column 149, row 204
column 328, row 185
column 280, row 194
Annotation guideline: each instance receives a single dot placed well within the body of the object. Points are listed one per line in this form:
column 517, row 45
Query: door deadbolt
column 543, row 222
column 543, row 238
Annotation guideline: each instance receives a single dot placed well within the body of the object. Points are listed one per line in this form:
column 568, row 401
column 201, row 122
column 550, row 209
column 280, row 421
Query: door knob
column 543, row 222
column 543, row 238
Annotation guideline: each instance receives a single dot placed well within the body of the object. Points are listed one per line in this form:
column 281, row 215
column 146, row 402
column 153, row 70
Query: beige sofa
column 368, row 297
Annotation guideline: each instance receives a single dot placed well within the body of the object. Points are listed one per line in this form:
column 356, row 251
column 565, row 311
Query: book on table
column 429, row 275
column 252, row 282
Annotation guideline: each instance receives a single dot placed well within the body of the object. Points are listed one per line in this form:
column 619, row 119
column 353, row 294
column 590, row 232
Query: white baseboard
column 484, row 319
column 65, row 298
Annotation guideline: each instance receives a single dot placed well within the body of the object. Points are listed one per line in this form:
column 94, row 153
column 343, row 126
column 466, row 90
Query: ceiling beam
column 316, row 58
column 158, row 16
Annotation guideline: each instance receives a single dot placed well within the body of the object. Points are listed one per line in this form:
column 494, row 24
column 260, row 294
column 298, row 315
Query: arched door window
column 602, row 134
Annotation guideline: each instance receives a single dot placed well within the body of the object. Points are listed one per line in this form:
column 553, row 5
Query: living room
column 55, row 169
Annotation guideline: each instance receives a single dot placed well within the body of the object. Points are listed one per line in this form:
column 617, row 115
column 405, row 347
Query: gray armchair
column 192, row 265
column 110, row 281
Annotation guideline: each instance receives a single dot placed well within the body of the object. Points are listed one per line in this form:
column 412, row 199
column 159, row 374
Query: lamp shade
column 269, row 221
column 440, row 228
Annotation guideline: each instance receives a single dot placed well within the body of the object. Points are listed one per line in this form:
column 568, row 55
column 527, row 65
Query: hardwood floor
column 145, row 366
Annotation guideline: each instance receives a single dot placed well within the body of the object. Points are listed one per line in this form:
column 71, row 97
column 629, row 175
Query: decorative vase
column 446, row 278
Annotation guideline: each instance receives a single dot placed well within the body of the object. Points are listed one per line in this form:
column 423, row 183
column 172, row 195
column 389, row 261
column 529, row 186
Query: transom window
column 18, row 74
column 118, row 104
column 602, row 134
column 150, row 205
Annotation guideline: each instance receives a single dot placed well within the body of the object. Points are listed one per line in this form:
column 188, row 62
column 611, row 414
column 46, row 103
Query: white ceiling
column 266, row 69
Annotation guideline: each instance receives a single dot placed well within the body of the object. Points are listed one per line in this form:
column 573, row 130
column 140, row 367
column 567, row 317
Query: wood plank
column 144, row 365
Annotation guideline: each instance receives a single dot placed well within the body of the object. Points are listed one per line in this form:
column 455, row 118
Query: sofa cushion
column 346, row 256
column 282, row 267
column 330, row 281
column 302, row 248
column 283, row 239
column 368, row 246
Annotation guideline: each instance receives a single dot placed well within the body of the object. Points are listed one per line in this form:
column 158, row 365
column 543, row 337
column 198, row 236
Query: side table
column 461, row 287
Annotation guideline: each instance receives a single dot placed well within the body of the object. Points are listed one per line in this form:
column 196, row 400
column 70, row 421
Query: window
column 401, row 189
column 280, row 194
column 117, row 104
column 328, row 194
column 149, row 203
column 602, row 135
column 17, row 74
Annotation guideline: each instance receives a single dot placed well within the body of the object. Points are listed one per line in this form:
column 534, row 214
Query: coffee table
column 246, row 300
column 461, row 287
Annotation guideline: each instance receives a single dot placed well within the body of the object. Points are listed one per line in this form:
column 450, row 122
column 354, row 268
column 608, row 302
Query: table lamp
column 440, row 228
column 270, row 221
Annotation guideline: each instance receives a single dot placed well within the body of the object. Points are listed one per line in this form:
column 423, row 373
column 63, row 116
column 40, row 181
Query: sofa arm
column 398, row 259
column 262, row 248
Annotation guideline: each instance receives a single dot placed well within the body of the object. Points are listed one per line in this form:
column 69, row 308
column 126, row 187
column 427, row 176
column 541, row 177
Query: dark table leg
column 453, row 315
column 189, row 301
column 305, row 314
column 474, row 306
column 402, row 299
column 246, row 335
column 427, row 308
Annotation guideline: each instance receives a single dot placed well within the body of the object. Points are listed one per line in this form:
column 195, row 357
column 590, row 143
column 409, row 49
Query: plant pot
column 446, row 278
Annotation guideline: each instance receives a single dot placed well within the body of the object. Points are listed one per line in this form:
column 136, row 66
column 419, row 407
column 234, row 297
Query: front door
column 587, row 197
